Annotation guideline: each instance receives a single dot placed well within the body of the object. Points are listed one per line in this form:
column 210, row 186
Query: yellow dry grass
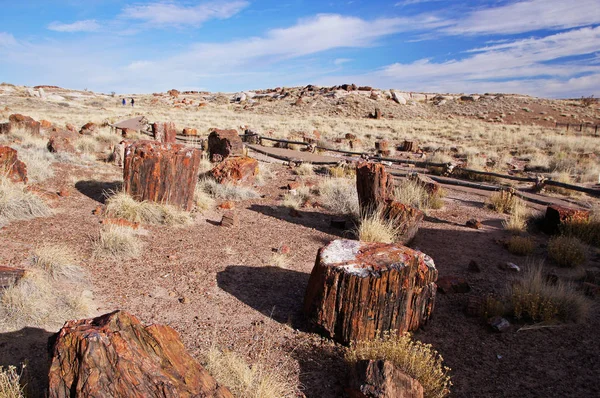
column 18, row 204
column 10, row 383
column 121, row 205
column 118, row 242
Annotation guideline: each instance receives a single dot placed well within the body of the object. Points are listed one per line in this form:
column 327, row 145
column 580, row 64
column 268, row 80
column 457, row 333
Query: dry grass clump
column 586, row 231
column 517, row 221
column 339, row 195
column 502, row 201
column 10, row 383
column 18, row 204
column 265, row 174
column 226, row 191
column 58, row 261
column 418, row 360
column 121, row 205
column 87, row 144
column 341, row 171
column 567, row 251
column 245, row 380
column 305, row 169
column 205, row 164
column 564, row 177
column 116, row 241
column 411, row 193
column 520, row 245
column 202, row 199
column 280, row 260
column 296, row 198
column 534, row 297
column 374, row 226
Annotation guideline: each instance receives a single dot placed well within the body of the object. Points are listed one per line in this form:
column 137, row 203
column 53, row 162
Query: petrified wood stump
column 224, row 143
column 161, row 172
column 164, row 132
column 406, row 220
column 373, row 184
column 114, row 355
column 11, row 166
column 358, row 290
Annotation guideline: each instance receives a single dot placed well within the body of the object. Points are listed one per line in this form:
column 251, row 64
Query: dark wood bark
column 382, row 379
column 163, row 173
column 406, row 220
column 358, row 290
column 11, row 166
column 114, row 355
column 224, row 143
column 374, row 185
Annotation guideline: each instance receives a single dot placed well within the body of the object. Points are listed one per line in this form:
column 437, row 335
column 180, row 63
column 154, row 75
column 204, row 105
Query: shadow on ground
column 28, row 346
column 276, row 292
column 98, row 190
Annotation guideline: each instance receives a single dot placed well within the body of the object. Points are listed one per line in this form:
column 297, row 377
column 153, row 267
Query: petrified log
column 426, row 182
column 118, row 154
column 24, row 123
column 373, row 184
column 11, row 166
column 161, row 172
column 236, row 170
column 409, row 146
column 224, row 143
column 89, row 129
column 114, row 355
column 190, row 131
column 60, row 143
column 382, row 145
column 164, row 132
column 406, row 220
column 382, row 379
column 557, row 216
column 358, row 290
column 9, row 276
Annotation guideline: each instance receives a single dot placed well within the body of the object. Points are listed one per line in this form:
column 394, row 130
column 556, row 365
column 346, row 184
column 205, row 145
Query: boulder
column 224, row 143
column 115, row 355
column 398, row 98
column 24, row 123
column 59, row 143
column 88, row 129
column 557, row 216
column 236, row 170
column 11, row 166
column 10, row 276
column 161, row 172
column 164, row 132
column 358, row 290
column 381, row 379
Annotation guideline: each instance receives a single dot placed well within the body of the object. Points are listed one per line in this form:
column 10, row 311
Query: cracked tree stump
column 374, row 186
column 358, row 290
column 161, row 172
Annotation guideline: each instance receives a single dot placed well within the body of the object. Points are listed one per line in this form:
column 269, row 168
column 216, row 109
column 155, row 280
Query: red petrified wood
column 11, row 166
column 24, row 123
column 357, row 290
column 164, row 131
column 382, row 379
column 114, row 355
column 373, row 184
column 163, row 173
column 224, row 143
column 236, row 169
column 556, row 216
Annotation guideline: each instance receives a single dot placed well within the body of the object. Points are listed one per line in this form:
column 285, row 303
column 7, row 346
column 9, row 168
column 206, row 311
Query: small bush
column 121, row 205
column 534, row 297
column 117, row 241
column 58, row 262
column 39, row 162
column 517, row 221
column 202, row 199
column 586, row 231
column 339, row 195
column 411, row 193
column 10, row 383
column 567, row 251
column 502, row 202
column 87, row 144
column 18, row 204
column 375, row 227
column 226, row 191
column 418, row 360
column 520, row 245
column 341, row 172
column 305, row 169
column 296, row 198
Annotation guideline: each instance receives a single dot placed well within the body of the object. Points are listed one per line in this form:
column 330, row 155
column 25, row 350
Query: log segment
column 374, row 185
column 24, row 123
column 164, row 132
column 557, row 216
column 161, row 172
column 114, row 355
column 224, row 143
column 358, row 290
column 236, row 170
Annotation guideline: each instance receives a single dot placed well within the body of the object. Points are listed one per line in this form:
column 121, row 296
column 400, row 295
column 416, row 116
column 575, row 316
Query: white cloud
column 340, row 61
column 172, row 14
column 529, row 15
column 405, row 3
column 7, row 40
column 88, row 25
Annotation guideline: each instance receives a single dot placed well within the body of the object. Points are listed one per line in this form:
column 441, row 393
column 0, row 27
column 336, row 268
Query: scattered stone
column 114, row 355
column 474, row 223
column 452, row 284
column 88, row 129
column 382, row 379
column 473, row 266
column 45, row 124
column 64, row 193
column 98, row 211
column 400, row 283
column 350, row 136
column 498, row 324
column 293, row 185
column 184, row 300
column 283, row 249
column 230, row 219
column 11, row 166
column 164, row 132
column 508, row 266
column 70, row 127
column 224, row 143
column 227, row 205
column 162, row 173
column 557, row 216
column 236, row 170
column 24, row 123
column 60, row 144
column 10, row 276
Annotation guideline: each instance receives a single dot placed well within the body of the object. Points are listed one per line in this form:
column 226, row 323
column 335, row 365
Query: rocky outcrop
column 163, row 173
column 114, row 355
column 357, row 290
column 11, row 166
column 164, row 132
column 382, row 379
column 557, row 216
column 224, row 143
column 236, row 170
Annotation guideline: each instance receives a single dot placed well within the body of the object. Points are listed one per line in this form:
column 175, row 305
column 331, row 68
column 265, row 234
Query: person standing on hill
column 124, row 102
column 132, row 102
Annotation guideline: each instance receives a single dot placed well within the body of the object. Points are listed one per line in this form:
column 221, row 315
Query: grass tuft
column 121, row 205
column 567, row 251
column 375, row 227
column 58, row 262
column 502, row 202
column 339, row 195
column 305, row 169
column 18, row 204
column 411, row 193
column 226, row 191
column 418, row 360
column 517, row 221
column 520, row 245
column 10, row 383
column 117, row 241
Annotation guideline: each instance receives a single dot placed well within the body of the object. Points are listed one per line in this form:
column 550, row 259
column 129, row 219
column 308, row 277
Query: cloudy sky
column 547, row 48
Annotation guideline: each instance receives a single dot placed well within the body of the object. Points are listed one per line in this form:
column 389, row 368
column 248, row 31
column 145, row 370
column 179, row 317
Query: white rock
column 398, row 98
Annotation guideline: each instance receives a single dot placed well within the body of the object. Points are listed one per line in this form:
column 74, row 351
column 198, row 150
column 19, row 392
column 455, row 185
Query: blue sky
column 548, row 48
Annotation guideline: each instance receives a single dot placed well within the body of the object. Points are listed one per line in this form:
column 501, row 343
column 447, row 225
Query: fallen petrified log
column 557, row 216
column 11, row 166
column 358, row 290
column 23, row 123
column 224, row 143
column 161, row 172
column 114, row 355
column 381, row 379
column 236, row 170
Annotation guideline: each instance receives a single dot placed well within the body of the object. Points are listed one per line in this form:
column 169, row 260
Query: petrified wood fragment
column 114, row 355
column 382, row 379
column 164, row 132
column 24, row 123
column 161, row 172
column 374, row 186
column 557, row 216
column 406, row 220
column 224, row 143
column 9, row 276
column 358, row 290
column 11, row 166
column 236, row 170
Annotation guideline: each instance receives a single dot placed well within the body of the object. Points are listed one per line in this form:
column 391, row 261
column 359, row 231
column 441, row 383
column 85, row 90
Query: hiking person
column 124, row 102
column 132, row 102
